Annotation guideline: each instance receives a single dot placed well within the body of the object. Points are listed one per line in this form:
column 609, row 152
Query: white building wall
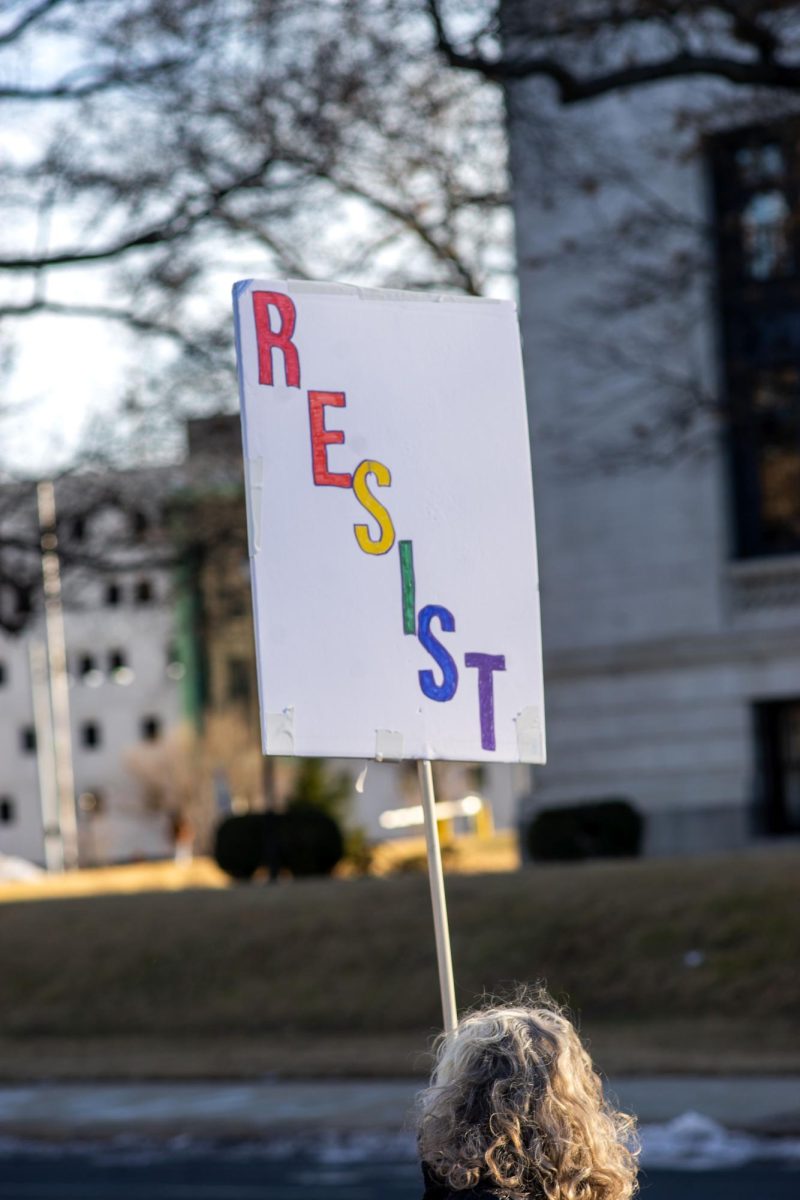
column 22, row 834
column 656, row 644
column 123, row 826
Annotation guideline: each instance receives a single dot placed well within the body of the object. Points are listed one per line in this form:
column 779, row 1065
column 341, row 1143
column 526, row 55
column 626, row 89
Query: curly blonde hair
column 515, row 1105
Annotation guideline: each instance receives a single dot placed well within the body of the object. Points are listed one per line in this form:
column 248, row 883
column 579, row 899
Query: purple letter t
column 486, row 664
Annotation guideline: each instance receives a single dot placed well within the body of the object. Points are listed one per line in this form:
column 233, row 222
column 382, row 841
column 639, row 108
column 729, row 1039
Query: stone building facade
column 659, row 266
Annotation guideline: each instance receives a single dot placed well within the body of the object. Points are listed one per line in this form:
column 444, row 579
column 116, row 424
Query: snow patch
column 694, row 1142
column 690, row 1142
column 18, row 870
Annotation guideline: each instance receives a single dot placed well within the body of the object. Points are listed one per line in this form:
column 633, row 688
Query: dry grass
column 226, row 1056
column 165, row 876
column 667, row 1047
column 468, row 855
column 339, row 976
column 465, row 855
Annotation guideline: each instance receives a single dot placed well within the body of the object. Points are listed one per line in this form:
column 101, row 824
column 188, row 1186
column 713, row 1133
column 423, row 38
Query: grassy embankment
column 338, row 977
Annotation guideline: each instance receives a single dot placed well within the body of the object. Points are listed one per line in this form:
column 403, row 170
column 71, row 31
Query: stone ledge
column 760, row 583
column 679, row 652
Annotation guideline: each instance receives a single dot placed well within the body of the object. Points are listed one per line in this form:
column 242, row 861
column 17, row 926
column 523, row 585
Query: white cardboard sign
column 390, row 512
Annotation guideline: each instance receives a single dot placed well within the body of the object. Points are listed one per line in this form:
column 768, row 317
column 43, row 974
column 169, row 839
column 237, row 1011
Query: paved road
column 361, row 1121
column 232, row 1176
column 264, row 1108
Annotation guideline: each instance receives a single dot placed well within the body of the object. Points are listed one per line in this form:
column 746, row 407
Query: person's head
column 515, row 1106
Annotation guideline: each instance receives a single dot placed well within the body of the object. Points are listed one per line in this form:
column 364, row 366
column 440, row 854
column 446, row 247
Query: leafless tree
column 161, row 148
column 685, row 70
column 164, row 147
column 586, row 50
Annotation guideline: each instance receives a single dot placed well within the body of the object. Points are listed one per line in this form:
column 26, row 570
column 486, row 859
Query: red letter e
column 321, row 438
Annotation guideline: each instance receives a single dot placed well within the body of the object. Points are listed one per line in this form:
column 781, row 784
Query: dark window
column 116, row 659
column 90, row 735
column 766, row 461
column 3, row 674
column 778, row 796
column 8, row 810
column 238, row 679
column 765, row 214
column 140, row 524
column 151, row 729
column 27, row 737
column 144, row 592
column 86, row 664
column 757, row 193
column 113, row 595
column 78, row 529
column 24, row 601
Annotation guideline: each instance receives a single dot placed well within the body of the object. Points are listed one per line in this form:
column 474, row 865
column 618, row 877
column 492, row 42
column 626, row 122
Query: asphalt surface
column 218, row 1176
column 351, row 1140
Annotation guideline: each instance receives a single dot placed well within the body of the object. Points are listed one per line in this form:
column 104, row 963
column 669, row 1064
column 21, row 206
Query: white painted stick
column 438, row 901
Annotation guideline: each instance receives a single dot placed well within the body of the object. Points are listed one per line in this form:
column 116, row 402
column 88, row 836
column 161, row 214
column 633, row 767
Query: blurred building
column 208, row 523
column 159, row 670
column 660, row 305
column 159, row 676
column 122, row 675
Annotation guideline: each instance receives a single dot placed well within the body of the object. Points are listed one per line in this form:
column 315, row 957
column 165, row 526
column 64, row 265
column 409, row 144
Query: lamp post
column 45, row 755
column 59, row 686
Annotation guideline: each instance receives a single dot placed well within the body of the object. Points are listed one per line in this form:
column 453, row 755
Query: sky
column 65, row 370
column 69, row 373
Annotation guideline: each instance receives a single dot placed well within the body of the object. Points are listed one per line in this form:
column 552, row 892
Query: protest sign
column 390, row 513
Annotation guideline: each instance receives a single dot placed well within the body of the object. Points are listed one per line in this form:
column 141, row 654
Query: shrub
column 599, row 829
column 309, row 841
column 302, row 841
column 239, row 845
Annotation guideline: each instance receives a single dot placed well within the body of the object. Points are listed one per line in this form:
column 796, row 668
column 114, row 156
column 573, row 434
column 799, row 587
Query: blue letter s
column 447, row 688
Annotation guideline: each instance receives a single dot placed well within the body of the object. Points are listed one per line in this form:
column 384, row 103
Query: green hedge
column 302, row 841
column 610, row 828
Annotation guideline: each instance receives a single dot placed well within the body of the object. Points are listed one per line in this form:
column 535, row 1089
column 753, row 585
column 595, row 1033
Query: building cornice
column 679, row 652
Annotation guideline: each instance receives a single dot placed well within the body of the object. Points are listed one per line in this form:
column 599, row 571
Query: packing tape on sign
column 280, row 732
column 529, row 736
column 254, row 482
column 388, row 745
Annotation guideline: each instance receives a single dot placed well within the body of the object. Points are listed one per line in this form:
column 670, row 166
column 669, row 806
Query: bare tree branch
column 442, row 247
column 69, row 88
column 104, row 312
column 183, row 221
column 27, row 20
column 764, row 71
